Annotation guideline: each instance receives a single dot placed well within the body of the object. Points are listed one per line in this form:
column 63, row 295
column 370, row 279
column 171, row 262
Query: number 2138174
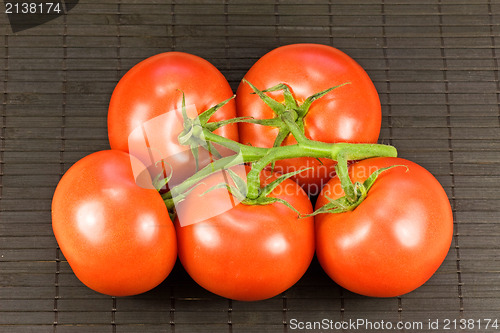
column 33, row 8
column 470, row 324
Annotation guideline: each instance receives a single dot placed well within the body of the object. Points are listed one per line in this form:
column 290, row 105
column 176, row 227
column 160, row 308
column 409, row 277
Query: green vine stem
column 261, row 157
column 308, row 148
column 288, row 120
column 249, row 153
column 342, row 171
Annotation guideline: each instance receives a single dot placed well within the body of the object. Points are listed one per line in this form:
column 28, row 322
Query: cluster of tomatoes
column 119, row 239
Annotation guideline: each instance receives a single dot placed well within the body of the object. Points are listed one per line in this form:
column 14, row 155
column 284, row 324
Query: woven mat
column 434, row 63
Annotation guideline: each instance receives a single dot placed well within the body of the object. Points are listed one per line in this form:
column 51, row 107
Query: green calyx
column 264, row 197
column 289, row 109
column 192, row 134
column 350, row 202
column 238, row 188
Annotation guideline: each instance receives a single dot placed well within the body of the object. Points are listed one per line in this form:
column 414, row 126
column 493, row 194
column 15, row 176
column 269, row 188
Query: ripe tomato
column 395, row 239
column 350, row 113
column 154, row 87
column 117, row 236
column 248, row 252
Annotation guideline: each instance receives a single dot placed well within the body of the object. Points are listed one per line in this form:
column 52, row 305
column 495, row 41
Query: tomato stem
column 216, row 165
column 344, row 204
column 289, row 119
column 297, row 133
column 340, row 152
column 262, row 157
column 249, row 152
column 342, row 171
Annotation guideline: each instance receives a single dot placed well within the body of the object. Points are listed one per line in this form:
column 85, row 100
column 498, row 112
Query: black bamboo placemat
column 435, row 64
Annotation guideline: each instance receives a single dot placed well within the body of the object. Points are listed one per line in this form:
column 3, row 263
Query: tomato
column 117, row 236
column 395, row 240
column 247, row 252
column 350, row 113
column 154, row 87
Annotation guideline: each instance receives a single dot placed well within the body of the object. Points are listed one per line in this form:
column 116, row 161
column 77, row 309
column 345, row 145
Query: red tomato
column 350, row 113
column 395, row 239
column 154, row 87
column 116, row 236
column 248, row 252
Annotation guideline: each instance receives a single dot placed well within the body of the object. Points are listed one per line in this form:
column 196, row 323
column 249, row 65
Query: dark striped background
column 435, row 65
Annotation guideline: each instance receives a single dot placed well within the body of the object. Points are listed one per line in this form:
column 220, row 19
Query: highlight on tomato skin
column 395, row 240
column 116, row 236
